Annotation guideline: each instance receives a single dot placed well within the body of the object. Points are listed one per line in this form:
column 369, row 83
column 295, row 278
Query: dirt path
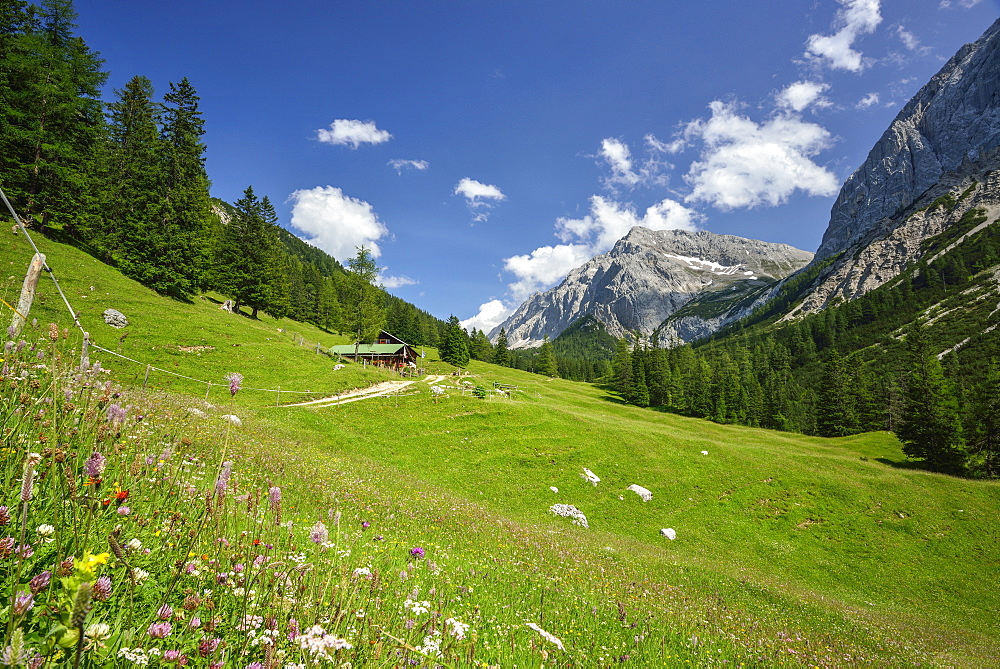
column 378, row 390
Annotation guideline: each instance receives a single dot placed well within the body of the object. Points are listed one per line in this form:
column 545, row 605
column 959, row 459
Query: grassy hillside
column 789, row 549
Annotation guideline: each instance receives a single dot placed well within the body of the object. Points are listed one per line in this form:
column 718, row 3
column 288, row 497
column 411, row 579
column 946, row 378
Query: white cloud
column 584, row 238
column 802, row 94
column 479, row 196
column 855, row 18
column 335, row 222
column 965, row 4
column 475, row 192
column 353, row 133
column 869, row 100
column 491, row 314
column 675, row 146
column 391, row 282
column 618, row 157
column 544, row 267
column 399, row 165
column 745, row 164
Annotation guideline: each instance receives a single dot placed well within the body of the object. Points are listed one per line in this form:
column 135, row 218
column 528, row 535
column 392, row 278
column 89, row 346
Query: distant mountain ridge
column 647, row 276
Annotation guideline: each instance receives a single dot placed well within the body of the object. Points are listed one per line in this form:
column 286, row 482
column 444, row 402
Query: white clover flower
column 140, row 574
column 133, row 544
column 98, row 631
column 45, row 530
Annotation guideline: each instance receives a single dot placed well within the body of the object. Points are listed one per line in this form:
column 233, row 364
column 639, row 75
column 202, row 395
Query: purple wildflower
column 222, row 483
column 24, row 551
column 159, row 630
column 40, row 582
column 208, row 646
column 255, row 665
column 235, row 379
column 165, row 612
column 102, row 589
column 365, row 524
column 4, row 515
column 417, row 552
column 319, row 533
column 124, row 511
column 293, row 629
column 194, row 623
column 116, row 414
column 95, row 464
column 23, row 603
column 172, row 656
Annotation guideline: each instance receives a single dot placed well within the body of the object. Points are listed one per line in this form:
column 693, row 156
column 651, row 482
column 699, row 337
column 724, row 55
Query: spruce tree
column 455, row 347
column 622, row 368
column 836, row 408
column 501, row 354
column 364, row 313
column 930, row 428
column 547, row 363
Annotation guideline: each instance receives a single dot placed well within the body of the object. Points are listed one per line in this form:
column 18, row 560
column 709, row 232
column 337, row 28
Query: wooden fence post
column 85, row 352
column 27, row 294
column 146, row 378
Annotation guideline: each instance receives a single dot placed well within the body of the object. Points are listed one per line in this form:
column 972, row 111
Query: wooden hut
column 386, row 351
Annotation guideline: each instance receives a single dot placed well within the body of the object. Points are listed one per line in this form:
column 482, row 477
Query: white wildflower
column 98, row 631
column 363, row 571
column 417, row 608
column 545, row 635
column 458, row 628
column 140, row 574
column 432, row 645
column 45, row 533
column 641, row 492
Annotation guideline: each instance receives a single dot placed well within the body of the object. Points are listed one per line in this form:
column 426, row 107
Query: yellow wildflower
column 90, row 562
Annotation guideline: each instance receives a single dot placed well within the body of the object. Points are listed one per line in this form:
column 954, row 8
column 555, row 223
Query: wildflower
column 40, row 582
column 95, row 464
column 417, row 608
column 194, row 623
column 124, row 511
column 4, row 515
column 319, row 534
column 90, row 562
column 65, row 567
column 458, row 628
column 293, row 629
column 235, row 379
column 432, row 645
column 102, row 589
column 208, row 646
column 274, row 500
column 417, row 552
column 365, row 524
column 23, row 603
column 7, row 546
column 363, row 571
column 545, row 635
column 16, row 653
column 133, row 544
column 28, row 481
column 82, row 602
column 174, row 656
column 98, row 631
column 45, row 532
column 140, row 574
column 24, row 551
column 159, row 630
column 116, row 414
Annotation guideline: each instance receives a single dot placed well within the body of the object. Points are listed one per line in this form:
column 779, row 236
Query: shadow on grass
column 902, row 464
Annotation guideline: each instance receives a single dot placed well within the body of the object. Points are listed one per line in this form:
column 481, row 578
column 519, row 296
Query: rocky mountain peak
column 647, row 276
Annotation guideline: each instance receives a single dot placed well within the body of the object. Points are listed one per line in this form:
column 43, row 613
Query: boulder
column 115, row 318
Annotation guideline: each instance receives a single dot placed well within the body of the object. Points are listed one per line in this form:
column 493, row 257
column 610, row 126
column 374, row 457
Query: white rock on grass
column 669, row 533
column 590, row 476
column 197, row 412
column 704, row 452
column 570, row 511
column 553, row 488
column 641, row 492
column 235, row 420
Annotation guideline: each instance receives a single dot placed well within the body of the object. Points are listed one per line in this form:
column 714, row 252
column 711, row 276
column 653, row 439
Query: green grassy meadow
column 789, row 549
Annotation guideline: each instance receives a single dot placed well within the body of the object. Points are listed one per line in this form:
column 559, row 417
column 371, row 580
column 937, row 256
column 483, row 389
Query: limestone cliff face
column 952, row 121
column 647, row 276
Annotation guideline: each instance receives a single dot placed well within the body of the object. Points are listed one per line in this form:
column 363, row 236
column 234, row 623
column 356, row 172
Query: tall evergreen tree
column 51, row 112
column 836, row 408
column 931, row 430
column 547, row 363
column 454, row 348
column 364, row 313
column 249, row 259
column 501, row 353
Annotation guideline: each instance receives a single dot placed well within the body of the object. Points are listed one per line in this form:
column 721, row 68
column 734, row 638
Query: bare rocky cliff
column 954, row 120
column 646, row 277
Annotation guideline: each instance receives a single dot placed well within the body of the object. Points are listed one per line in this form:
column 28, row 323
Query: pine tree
column 622, row 367
column 454, row 348
column 501, row 354
column 836, row 408
column 364, row 314
column 480, row 347
column 930, row 428
column 51, row 112
column 547, row 363
column 984, row 422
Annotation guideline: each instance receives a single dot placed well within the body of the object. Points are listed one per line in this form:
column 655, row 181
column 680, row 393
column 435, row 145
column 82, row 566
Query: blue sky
column 484, row 149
